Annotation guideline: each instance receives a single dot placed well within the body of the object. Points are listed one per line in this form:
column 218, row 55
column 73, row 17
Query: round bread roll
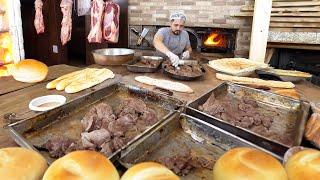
column 16, row 162
column 248, row 163
column 304, row 165
column 82, row 165
column 149, row 170
column 30, row 71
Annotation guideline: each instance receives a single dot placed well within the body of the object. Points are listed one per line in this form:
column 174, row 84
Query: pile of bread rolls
column 251, row 164
column 235, row 164
column 20, row 163
column 80, row 80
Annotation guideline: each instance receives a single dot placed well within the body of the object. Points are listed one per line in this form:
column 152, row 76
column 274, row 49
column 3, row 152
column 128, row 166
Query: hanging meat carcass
column 66, row 23
column 97, row 8
column 38, row 19
column 111, row 22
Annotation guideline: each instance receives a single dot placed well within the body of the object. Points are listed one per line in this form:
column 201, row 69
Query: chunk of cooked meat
column 58, row 146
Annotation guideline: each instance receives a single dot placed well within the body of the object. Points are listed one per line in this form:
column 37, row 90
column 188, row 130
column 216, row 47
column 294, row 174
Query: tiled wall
column 202, row 13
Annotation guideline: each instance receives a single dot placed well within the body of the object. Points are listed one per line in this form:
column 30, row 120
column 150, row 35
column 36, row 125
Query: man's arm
column 158, row 44
column 188, row 48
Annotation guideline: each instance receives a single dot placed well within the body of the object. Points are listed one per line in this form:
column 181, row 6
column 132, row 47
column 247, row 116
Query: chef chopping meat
column 174, row 41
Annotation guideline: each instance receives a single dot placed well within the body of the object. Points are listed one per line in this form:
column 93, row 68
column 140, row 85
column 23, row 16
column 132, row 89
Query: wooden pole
column 260, row 29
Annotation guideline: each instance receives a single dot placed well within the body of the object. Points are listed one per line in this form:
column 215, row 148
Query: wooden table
column 15, row 96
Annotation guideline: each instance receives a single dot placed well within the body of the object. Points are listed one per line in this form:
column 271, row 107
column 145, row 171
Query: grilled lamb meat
column 58, row 146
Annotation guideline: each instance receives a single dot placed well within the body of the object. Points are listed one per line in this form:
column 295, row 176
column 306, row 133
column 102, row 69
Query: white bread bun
column 248, row 163
column 82, row 165
column 304, row 165
column 149, row 170
column 30, row 71
column 21, row 163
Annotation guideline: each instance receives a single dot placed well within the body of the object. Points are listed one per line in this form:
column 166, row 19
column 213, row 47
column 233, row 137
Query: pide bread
column 236, row 66
column 80, row 80
column 149, row 171
column 282, row 72
column 79, row 77
column 82, row 165
column 97, row 78
column 288, row 92
column 30, row 71
column 165, row 84
column 53, row 84
column 248, row 163
column 20, row 163
column 254, row 81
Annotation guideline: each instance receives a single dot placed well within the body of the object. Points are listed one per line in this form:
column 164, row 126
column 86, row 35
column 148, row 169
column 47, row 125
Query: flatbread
column 255, row 81
column 83, row 75
column 90, row 80
column 165, row 84
column 236, row 66
column 53, row 84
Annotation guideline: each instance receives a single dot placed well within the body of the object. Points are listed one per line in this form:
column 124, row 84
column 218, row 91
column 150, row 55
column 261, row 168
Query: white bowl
column 45, row 103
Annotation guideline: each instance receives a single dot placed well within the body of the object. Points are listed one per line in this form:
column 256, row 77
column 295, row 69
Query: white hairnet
column 178, row 15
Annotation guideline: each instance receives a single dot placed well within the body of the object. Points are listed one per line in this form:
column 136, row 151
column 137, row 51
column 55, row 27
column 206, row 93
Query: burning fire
column 215, row 39
column 6, row 55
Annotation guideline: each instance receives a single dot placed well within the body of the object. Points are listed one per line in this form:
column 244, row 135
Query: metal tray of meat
column 186, row 140
column 269, row 120
column 182, row 77
column 139, row 66
column 65, row 121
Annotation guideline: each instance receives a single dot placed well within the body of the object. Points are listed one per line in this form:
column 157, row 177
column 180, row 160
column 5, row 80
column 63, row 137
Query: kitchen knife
column 142, row 36
column 135, row 32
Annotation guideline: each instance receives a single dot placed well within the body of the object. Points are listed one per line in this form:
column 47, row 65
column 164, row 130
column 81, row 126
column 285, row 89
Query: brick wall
column 202, row 13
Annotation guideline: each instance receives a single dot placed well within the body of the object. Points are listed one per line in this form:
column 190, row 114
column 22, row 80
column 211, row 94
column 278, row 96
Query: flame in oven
column 215, row 39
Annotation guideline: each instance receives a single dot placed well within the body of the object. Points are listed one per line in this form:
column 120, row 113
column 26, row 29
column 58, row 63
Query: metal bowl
column 112, row 56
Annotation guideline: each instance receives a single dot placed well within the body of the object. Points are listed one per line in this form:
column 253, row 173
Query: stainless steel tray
column 134, row 67
column 176, row 135
column 65, row 120
column 289, row 123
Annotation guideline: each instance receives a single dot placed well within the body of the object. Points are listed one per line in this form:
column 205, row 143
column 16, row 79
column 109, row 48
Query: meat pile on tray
column 148, row 63
column 184, row 70
column 107, row 130
column 182, row 164
column 243, row 112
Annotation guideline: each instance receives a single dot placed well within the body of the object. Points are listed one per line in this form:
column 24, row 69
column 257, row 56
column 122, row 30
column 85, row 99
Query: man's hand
column 173, row 58
column 186, row 55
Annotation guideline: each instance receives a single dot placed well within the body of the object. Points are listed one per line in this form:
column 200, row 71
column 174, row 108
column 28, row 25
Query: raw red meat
column 97, row 8
column 66, row 23
column 38, row 19
column 111, row 22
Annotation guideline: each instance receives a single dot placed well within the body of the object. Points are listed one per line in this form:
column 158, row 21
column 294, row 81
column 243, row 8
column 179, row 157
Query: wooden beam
column 269, row 54
column 260, row 29
column 286, row 9
column 294, row 4
column 279, row 14
column 295, row 19
column 294, row 46
column 295, row 25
